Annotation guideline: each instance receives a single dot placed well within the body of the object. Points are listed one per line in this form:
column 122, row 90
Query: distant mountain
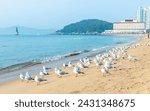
column 90, row 26
column 25, row 31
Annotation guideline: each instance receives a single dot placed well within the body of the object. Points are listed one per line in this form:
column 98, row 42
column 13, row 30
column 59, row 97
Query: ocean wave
column 73, row 53
column 58, row 57
column 18, row 66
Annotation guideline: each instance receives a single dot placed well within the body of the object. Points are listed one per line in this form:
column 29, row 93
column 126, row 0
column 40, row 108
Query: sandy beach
column 129, row 77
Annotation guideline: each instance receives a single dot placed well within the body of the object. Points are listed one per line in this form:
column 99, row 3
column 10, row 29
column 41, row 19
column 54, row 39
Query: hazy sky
column 57, row 13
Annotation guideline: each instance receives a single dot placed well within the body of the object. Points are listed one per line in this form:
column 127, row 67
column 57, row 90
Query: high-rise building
column 140, row 14
column 143, row 15
column 147, row 18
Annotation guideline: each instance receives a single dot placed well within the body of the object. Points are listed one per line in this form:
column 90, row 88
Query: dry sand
column 128, row 78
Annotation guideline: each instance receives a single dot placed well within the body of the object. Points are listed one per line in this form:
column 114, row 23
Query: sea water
column 44, row 48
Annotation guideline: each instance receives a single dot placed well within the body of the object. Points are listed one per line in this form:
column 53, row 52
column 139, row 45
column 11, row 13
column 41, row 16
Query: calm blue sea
column 21, row 49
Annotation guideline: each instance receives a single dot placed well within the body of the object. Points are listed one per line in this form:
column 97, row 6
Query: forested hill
column 90, row 26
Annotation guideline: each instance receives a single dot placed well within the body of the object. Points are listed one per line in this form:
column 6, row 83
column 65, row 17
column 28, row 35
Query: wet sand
column 128, row 78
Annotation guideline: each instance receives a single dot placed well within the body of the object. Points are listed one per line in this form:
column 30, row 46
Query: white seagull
column 41, row 73
column 28, row 77
column 104, row 71
column 21, row 77
column 59, row 72
column 131, row 58
column 76, row 70
column 81, row 65
column 38, row 80
column 44, row 71
column 65, row 65
column 98, row 63
column 69, row 64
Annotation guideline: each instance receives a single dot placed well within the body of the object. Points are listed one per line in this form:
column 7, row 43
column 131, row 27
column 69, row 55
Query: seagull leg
column 104, row 75
column 76, row 75
column 60, row 76
column 38, row 83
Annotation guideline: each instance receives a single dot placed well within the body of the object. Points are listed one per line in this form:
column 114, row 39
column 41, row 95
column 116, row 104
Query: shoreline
column 129, row 78
column 34, row 68
column 131, row 35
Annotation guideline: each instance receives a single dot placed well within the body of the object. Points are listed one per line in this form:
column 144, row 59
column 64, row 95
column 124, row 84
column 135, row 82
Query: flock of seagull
column 105, row 60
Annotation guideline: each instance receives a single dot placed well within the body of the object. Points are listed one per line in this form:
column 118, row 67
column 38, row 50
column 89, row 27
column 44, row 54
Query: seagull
column 98, row 63
column 65, row 65
column 125, row 54
column 28, row 77
column 81, row 65
column 112, row 59
column 95, row 60
column 76, row 70
column 69, row 64
column 59, row 72
column 97, row 57
column 44, row 68
column 81, row 60
column 88, row 63
column 21, row 77
column 41, row 73
column 138, row 44
column 104, row 71
column 118, row 56
column 56, row 68
column 44, row 71
column 108, row 65
column 38, row 80
column 86, row 60
column 131, row 58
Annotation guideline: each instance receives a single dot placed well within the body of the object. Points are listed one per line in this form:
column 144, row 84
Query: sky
column 55, row 14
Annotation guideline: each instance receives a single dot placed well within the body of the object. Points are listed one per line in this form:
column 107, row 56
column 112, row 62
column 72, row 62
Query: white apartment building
column 147, row 18
column 140, row 14
column 143, row 15
column 127, row 27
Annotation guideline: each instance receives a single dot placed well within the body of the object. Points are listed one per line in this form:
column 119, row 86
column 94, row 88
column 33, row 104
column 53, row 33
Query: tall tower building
column 147, row 16
column 144, row 16
column 140, row 14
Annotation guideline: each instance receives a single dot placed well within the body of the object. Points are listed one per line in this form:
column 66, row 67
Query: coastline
column 129, row 78
column 12, row 72
column 134, row 35
column 35, row 68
